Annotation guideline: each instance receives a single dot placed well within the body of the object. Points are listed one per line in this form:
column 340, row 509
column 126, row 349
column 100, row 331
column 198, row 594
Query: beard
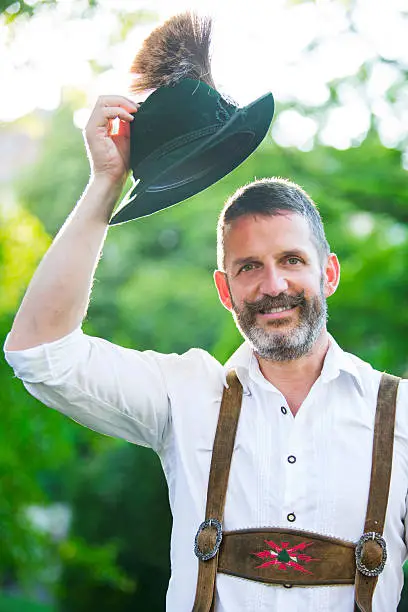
column 270, row 342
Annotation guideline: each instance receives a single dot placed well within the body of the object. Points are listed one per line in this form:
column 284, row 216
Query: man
column 302, row 454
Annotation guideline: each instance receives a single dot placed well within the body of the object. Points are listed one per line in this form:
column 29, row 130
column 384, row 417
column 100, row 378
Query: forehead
column 259, row 235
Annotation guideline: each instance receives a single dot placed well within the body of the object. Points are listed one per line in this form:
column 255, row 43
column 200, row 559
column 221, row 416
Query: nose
column 273, row 282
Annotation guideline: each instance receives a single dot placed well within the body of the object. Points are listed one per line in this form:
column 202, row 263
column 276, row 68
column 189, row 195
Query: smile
column 274, row 310
column 283, row 312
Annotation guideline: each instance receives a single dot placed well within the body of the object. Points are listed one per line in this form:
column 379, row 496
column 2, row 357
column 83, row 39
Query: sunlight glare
column 291, row 129
column 346, row 125
column 294, row 50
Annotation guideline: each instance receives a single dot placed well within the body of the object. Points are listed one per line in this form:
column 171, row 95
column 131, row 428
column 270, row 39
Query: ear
column 220, row 279
column 332, row 275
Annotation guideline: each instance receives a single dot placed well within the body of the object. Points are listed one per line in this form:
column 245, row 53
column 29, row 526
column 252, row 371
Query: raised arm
column 57, row 298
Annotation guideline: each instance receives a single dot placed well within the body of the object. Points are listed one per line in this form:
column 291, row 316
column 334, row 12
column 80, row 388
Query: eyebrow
column 241, row 261
column 296, row 252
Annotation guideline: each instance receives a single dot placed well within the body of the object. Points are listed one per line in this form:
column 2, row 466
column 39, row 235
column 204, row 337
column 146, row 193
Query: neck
column 295, row 378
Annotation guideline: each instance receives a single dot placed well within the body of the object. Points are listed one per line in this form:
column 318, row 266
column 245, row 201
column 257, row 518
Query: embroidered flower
column 285, row 556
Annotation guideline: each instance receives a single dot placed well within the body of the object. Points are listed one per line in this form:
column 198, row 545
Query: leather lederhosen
column 232, row 552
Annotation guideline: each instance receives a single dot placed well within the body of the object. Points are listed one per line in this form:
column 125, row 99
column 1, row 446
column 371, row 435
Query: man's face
column 275, row 284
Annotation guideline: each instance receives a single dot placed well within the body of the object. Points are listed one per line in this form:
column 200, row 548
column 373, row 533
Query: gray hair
column 271, row 196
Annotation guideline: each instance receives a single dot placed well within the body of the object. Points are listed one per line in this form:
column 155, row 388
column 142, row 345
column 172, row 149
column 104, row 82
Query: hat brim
column 191, row 168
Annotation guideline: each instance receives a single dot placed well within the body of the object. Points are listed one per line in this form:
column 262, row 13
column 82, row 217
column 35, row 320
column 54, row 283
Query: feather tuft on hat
column 176, row 50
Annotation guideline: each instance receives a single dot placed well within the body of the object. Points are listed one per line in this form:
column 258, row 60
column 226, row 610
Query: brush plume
column 176, row 50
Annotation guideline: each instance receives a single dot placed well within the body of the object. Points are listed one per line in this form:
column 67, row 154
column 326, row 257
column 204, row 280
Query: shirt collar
column 244, row 362
column 337, row 361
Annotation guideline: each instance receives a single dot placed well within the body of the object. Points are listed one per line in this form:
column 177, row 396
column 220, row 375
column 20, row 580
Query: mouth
column 281, row 312
column 276, row 310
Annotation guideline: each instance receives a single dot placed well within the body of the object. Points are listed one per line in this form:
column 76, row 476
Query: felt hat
column 185, row 135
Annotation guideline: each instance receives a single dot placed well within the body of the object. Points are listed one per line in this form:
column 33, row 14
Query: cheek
column 244, row 291
column 310, row 283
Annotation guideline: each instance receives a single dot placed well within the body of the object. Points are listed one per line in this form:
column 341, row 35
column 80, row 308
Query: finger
column 102, row 117
column 117, row 101
column 112, row 112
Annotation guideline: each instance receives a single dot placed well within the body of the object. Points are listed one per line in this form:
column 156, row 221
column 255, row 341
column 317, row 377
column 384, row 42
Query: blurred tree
column 121, row 497
column 39, row 449
column 13, row 9
column 31, row 442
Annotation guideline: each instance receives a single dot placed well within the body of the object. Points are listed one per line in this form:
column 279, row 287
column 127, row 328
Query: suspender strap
column 370, row 553
column 209, row 532
column 379, row 487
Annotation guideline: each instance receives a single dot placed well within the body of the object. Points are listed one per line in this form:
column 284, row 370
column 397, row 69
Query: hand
column 108, row 152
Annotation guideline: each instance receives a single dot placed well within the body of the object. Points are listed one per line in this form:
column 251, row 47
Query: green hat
column 186, row 135
column 183, row 139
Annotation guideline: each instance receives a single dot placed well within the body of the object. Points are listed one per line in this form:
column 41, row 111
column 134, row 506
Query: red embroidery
column 285, row 556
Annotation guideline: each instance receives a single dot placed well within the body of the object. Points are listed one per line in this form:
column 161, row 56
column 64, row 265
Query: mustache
column 280, row 301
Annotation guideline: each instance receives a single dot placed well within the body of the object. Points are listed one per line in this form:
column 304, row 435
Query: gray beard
column 285, row 345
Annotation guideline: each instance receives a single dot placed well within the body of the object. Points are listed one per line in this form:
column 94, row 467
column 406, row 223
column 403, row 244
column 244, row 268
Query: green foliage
column 56, row 182
column 22, row 243
column 37, row 444
column 14, row 9
column 18, row 604
column 34, row 447
column 120, row 500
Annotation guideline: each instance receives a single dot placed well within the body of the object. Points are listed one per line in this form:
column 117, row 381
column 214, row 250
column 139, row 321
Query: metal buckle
column 371, row 535
column 211, row 522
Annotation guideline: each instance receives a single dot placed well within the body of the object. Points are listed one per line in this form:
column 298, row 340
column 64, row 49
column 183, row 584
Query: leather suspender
column 371, row 554
column 383, row 445
column 217, row 489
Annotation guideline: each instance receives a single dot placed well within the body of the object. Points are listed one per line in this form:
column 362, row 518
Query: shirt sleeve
column 110, row 389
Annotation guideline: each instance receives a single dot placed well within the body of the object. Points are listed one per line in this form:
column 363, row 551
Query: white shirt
column 171, row 403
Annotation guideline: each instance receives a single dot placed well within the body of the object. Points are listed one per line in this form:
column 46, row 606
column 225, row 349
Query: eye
column 247, row 267
column 293, row 261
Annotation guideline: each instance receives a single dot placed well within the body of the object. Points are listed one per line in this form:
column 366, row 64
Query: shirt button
column 291, row 517
column 292, row 459
column 283, row 410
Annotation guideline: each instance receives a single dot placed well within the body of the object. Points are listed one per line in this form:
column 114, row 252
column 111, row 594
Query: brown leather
column 372, row 554
column 379, row 486
column 318, row 560
column 217, row 487
column 233, row 557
